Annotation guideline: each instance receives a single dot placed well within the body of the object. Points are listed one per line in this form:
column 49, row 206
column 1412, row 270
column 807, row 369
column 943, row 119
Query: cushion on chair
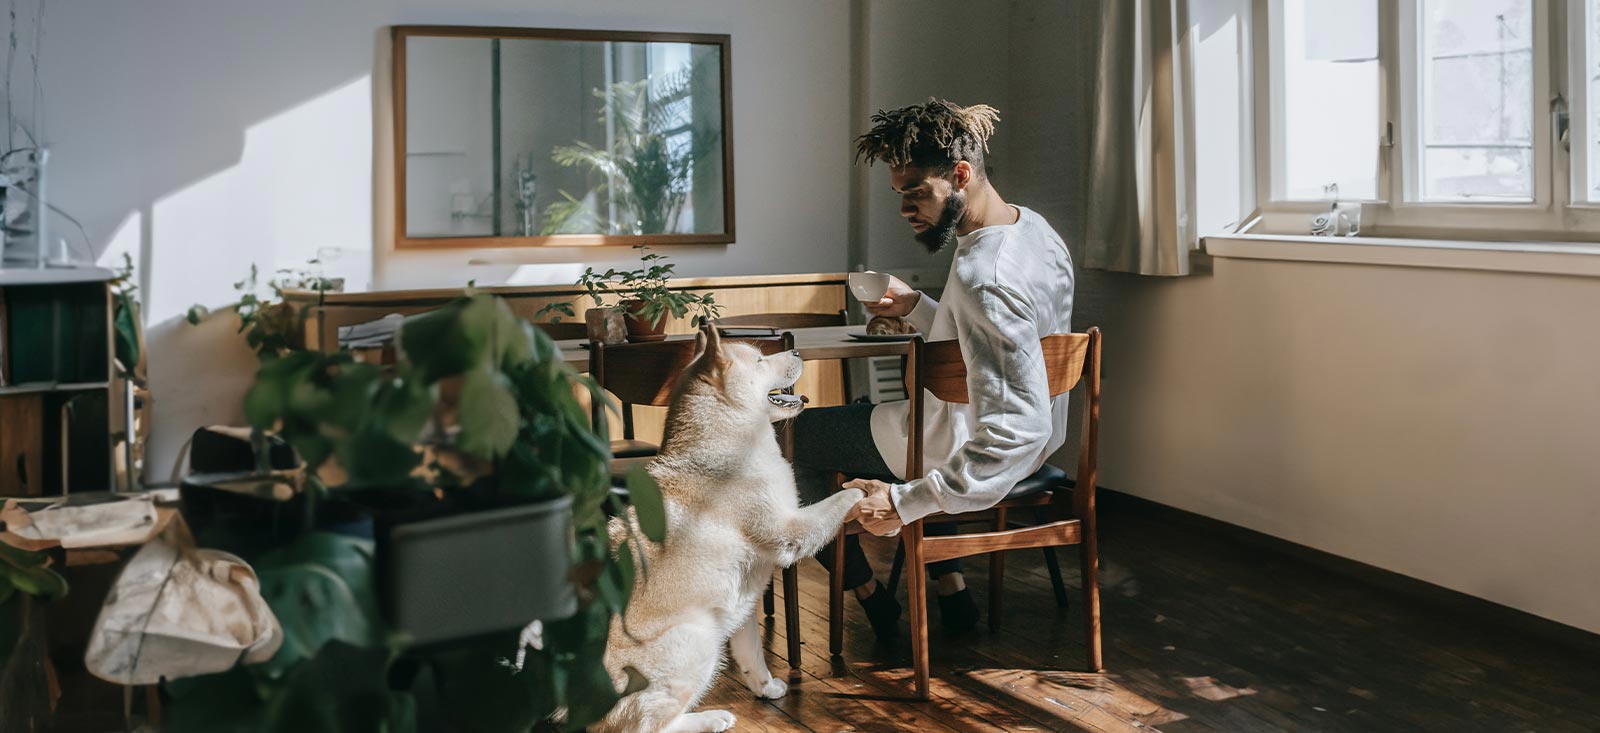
column 1046, row 478
column 621, row 466
column 633, row 448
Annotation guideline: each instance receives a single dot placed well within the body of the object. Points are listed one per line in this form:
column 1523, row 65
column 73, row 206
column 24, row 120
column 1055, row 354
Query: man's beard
column 943, row 232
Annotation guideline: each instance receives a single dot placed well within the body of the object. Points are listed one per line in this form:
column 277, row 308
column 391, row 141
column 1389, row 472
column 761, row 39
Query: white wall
column 203, row 136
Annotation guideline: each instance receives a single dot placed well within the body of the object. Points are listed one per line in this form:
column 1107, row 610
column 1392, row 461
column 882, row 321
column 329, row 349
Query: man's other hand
column 897, row 302
column 876, row 512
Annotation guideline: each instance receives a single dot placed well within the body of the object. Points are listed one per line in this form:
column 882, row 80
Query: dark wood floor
column 1204, row 632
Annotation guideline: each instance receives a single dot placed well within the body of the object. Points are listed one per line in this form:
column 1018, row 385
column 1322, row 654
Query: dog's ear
column 708, row 344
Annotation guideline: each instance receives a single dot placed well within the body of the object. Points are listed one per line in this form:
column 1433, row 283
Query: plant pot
column 605, row 325
column 640, row 329
column 468, row 575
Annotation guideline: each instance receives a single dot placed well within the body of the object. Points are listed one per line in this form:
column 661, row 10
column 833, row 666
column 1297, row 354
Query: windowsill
column 1548, row 258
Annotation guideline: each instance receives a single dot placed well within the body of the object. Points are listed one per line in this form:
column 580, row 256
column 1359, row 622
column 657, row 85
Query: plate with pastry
column 885, row 328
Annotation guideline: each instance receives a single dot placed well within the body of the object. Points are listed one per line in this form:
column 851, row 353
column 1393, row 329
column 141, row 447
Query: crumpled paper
column 179, row 611
column 129, row 521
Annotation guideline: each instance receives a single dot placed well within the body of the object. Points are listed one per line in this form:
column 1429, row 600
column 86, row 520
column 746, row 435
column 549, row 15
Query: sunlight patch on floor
column 1097, row 699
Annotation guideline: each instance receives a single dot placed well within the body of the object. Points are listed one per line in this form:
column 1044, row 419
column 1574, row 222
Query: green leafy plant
column 271, row 326
column 125, row 316
column 480, row 409
column 643, row 293
column 648, row 176
column 22, row 572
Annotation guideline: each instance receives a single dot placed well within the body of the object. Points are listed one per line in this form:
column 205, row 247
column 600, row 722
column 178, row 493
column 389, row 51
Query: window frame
column 1271, row 157
column 1559, row 203
column 1582, row 128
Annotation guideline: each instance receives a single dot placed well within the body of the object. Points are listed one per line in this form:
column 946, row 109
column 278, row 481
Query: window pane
column 1591, row 75
column 1329, row 122
column 1477, row 100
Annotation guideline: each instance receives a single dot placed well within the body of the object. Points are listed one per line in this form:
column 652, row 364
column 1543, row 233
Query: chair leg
column 1090, row 559
column 768, row 603
column 997, row 575
column 836, row 597
column 917, row 589
column 894, row 570
column 1052, row 564
column 791, row 614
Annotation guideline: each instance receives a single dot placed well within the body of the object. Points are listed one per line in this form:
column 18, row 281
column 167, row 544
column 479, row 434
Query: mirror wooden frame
column 398, row 36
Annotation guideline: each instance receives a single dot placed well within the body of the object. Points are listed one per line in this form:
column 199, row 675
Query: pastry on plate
column 886, row 325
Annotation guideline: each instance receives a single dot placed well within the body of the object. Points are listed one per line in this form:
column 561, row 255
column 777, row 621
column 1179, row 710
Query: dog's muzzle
column 787, row 401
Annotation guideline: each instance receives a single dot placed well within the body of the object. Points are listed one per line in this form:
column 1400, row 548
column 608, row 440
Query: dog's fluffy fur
column 732, row 517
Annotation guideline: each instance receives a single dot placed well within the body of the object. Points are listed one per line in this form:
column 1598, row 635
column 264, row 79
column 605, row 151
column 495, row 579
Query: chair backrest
column 1069, row 358
column 564, row 330
column 783, row 321
column 644, row 373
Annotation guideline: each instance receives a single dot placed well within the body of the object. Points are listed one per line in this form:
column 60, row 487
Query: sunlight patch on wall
column 302, row 189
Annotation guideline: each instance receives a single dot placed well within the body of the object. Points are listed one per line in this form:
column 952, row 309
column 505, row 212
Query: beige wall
column 1438, row 423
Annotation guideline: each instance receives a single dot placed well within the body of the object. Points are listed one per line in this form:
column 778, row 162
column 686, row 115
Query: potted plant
column 641, row 297
column 489, row 489
column 271, row 326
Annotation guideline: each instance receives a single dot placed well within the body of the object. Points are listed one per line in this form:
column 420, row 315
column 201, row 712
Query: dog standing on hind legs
column 733, row 517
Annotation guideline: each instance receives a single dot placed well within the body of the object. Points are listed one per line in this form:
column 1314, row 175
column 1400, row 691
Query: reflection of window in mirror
column 562, row 140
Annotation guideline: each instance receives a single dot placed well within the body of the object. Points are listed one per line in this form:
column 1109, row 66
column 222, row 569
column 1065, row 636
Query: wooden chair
column 563, row 331
column 643, row 374
column 939, row 369
column 573, row 330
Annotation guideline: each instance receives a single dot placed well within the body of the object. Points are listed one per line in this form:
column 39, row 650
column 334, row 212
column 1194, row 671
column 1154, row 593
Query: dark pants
column 839, row 439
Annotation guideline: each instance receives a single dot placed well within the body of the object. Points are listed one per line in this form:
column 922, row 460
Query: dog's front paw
column 717, row 720
column 853, row 495
column 774, row 689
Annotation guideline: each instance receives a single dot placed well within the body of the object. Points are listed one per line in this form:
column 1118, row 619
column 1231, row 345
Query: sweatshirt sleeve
column 921, row 316
column 1010, row 398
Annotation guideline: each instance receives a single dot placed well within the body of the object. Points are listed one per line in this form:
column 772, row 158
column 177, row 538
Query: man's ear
column 963, row 175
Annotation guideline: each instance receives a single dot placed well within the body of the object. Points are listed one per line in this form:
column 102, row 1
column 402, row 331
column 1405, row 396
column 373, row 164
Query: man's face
column 932, row 204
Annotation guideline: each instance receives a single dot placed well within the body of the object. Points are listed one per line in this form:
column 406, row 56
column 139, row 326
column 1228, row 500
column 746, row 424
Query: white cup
column 869, row 286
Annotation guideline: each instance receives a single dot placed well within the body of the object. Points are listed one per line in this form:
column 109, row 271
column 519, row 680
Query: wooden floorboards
column 1203, row 633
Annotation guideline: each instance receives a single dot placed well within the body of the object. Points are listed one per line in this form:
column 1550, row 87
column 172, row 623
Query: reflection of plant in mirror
column 648, row 285
column 647, row 173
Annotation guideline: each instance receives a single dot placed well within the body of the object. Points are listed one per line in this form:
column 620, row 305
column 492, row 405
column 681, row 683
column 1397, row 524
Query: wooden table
column 814, row 344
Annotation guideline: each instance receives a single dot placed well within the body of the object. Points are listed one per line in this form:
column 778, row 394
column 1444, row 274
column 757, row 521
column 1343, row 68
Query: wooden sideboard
column 738, row 295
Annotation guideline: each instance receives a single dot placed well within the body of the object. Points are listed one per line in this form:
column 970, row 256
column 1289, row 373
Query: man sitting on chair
column 1010, row 284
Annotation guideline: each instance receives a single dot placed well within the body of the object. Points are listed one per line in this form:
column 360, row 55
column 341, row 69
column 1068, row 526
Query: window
column 1438, row 113
column 1475, row 86
column 1587, row 93
column 1326, row 74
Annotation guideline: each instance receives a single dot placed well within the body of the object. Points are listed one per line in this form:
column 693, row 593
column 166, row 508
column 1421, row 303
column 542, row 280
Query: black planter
column 476, row 573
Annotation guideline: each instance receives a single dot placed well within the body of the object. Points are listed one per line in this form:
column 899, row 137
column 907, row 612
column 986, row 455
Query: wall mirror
column 529, row 137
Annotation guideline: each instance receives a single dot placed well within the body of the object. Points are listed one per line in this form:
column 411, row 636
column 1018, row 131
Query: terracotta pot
column 640, row 329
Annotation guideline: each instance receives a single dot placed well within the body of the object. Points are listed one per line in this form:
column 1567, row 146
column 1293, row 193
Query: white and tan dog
column 732, row 517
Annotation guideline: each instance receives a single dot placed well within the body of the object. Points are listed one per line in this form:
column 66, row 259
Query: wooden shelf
column 47, row 387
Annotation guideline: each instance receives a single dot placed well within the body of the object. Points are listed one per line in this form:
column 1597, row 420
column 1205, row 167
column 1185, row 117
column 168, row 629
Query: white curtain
column 1139, row 217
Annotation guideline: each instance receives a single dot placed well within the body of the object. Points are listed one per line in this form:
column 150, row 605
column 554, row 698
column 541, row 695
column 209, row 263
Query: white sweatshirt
column 1009, row 286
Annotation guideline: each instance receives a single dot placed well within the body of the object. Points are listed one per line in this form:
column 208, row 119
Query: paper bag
column 178, row 611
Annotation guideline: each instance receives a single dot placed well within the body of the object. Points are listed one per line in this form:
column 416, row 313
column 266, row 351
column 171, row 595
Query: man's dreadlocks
column 934, row 135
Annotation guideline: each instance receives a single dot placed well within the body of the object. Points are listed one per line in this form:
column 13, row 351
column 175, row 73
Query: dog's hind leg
column 751, row 664
column 813, row 526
